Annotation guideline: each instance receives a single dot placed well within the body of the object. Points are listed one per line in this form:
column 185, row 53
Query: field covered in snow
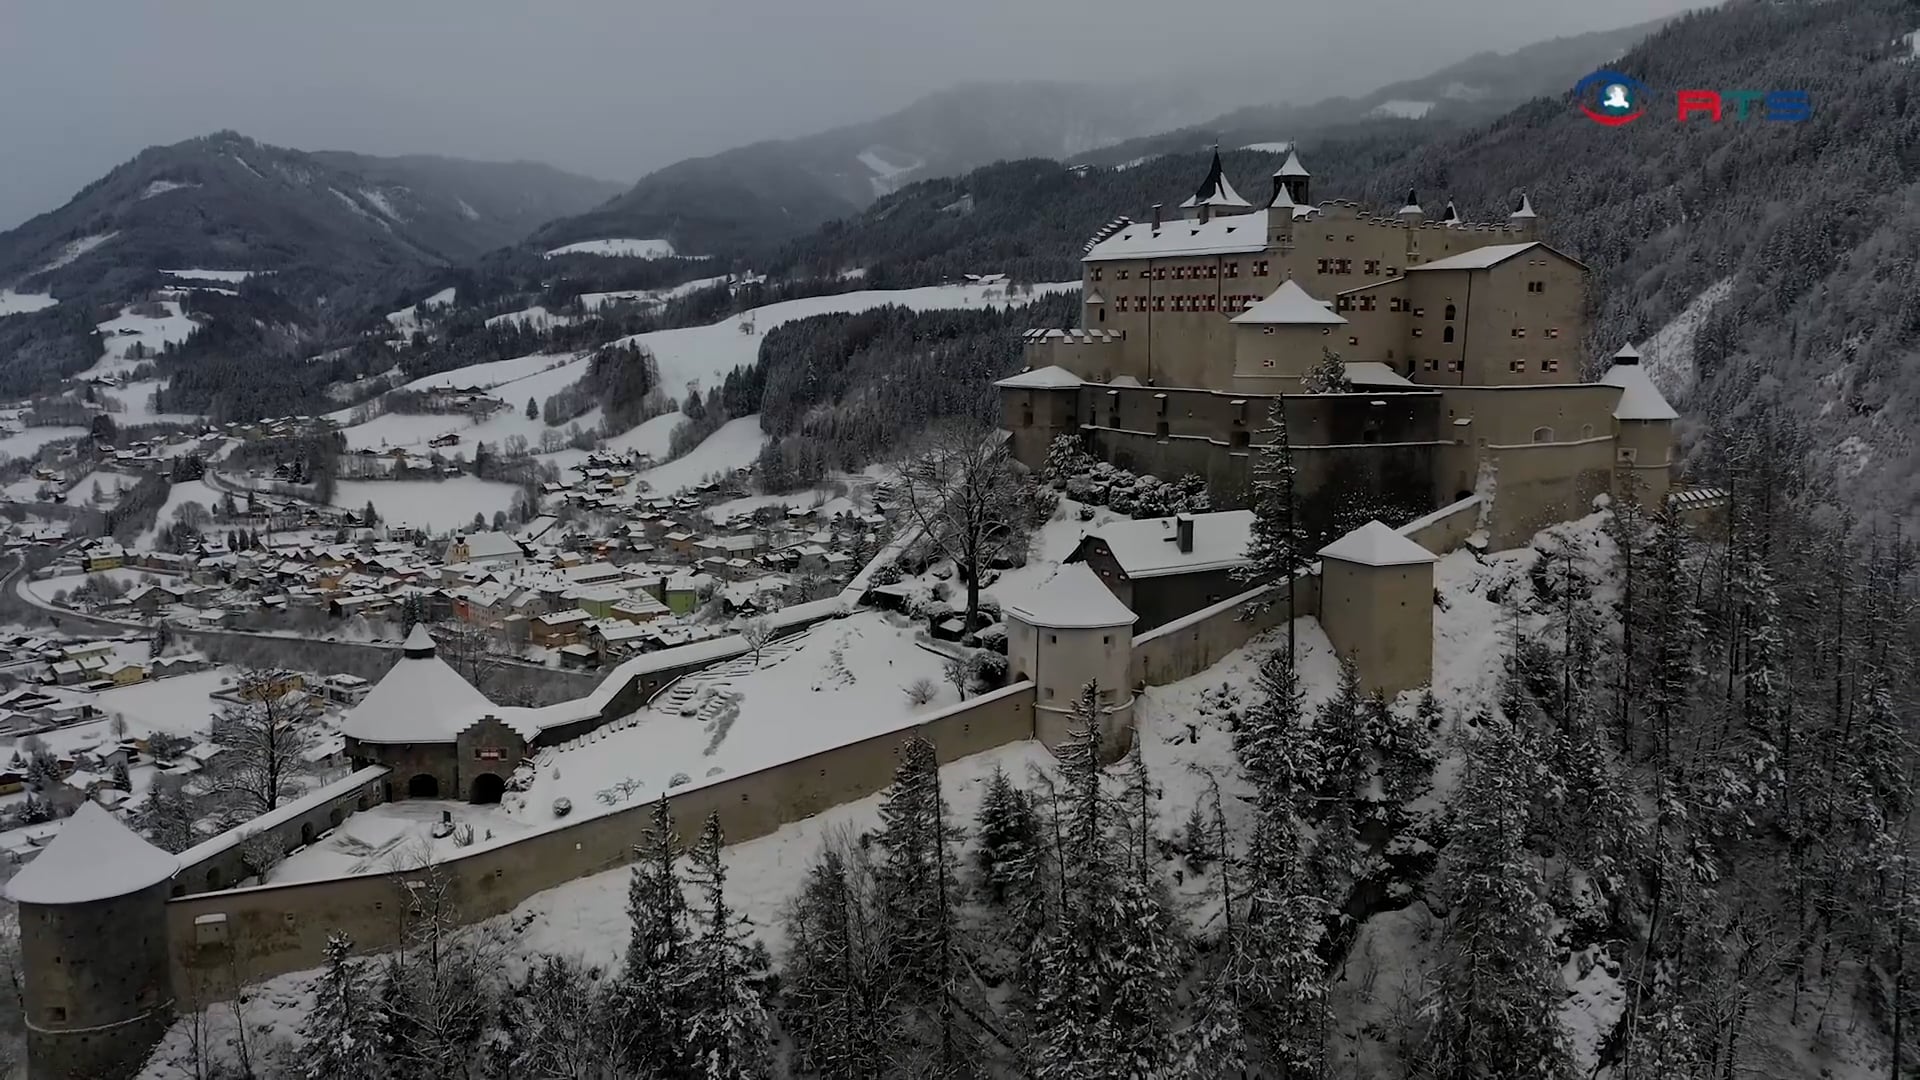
column 647, row 297
column 136, row 404
column 627, row 248
column 177, row 496
column 433, row 505
column 231, row 277
column 734, row 446
column 28, row 441
column 407, row 319
column 1668, row 354
column 151, row 333
column 13, row 303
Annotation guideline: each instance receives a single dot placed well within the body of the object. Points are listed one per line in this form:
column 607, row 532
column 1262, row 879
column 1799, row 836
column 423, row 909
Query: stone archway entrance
column 487, row 788
column 423, row 786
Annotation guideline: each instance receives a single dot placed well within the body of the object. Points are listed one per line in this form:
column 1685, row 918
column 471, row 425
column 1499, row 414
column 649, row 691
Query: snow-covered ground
column 1402, row 109
column 434, row 505
column 1057, row 539
column 28, row 441
column 1263, row 147
column 598, row 300
column 111, row 484
column 650, row 436
column 232, row 277
column 151, row 333
column 1668, row 354
column 45, row 589
column 823, row 501
column 392, row 836
column 734, row 446
column 534, row 318
column 407, row 319
column 74, row 249
column 136, row 405
column 887, row 177
column 632, row 249
column 177, row 496
column 13, row 303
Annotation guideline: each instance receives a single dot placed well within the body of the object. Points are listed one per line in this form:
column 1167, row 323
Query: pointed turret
column 1640, row 400
column 1215, row 196
column 1451, row 216
column 1524, row 210
column 1412, row 212
column 1295, row 178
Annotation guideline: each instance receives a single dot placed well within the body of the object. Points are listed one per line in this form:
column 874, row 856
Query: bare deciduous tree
column 964, row 493
column 756, row 633
column 263, row 737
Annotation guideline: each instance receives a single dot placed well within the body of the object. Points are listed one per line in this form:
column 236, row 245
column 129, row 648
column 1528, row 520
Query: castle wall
column 220, row 861
column 1188, row 646
column 1538, row 485
column 1645, row 449
column 1447, row 528
column 100, row 994
column 486, row 748
column 1382, row 617
column 1035, row 418
column 1271, row 359
column 1503, row 333
column 273, row 929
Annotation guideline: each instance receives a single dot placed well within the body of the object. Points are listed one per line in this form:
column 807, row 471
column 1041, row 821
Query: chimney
column 1156, row 215
column 1183, row 533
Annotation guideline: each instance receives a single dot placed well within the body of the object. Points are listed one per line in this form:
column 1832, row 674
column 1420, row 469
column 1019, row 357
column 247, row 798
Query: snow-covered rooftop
column 419, row 700
column 1490, row 256
column 1235, row 234
column 1215, row 190
column 93, row 857
column 1374, row 373
column 1639, row 398
column 1375, row 544
column 1292, row 166
column 1074, row 598
column 1149, row 547
column 1289, row 305
column 1050, row 377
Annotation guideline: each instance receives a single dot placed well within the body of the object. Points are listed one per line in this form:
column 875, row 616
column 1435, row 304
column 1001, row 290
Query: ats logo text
column 1616, row 100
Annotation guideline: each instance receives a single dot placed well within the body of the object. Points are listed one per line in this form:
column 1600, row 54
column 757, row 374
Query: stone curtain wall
column 270, row 930
column 1447, row 528
column 218, row 862
column 1188, row 646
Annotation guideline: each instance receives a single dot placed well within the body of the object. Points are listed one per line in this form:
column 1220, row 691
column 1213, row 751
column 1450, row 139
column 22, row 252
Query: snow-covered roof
column 491, row 545
column 1149, row 547
column 1094, row 298
column 1292, row 166
column 1639, row 398
column 1526, row 208
column 93, row 857
column 1490, row 256
column 1413, row 203
column 1074, row 598
column 420, row 699
column 1215, row 190
column 1050, row 377
column 1289, row 305
column 1374, row 373
column 1231, row 235
column 1374, row 544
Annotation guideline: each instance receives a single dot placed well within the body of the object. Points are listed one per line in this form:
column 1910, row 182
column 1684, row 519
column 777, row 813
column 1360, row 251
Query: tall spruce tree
column 650, row 991
column 727, row 1033
column 340, row 1037
column 1277, row 545
column 835, row 998
column 915, row 887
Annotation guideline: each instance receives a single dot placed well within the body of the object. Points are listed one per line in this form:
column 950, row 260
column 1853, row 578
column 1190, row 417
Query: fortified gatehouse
column 1460, row 342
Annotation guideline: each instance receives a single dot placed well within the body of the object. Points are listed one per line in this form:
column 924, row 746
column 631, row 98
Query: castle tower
column 1450, row 216
column 1215, row 196
column 1295, row 178
column 1411, row 213
column 1376, row 605
column 1524, row 220
column 411, row 722
column 1642, row 429
column 1069, row 632
column 1280, row 214
column 97, row 983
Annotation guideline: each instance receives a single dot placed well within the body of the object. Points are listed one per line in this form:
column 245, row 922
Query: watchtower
column 1069, row 632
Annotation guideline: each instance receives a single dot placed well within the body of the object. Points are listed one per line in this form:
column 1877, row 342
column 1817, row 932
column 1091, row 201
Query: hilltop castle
column 1461, row 342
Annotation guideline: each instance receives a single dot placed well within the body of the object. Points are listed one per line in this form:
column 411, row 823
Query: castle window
column 1179, row 273
column 1432, row 364
column 1352, row 340
column 1260, row 268
column 1586, row 431
column 1550, row 365
column 1367, row 302
column 1446, row 334
column 1553, row 332
column 1451, row 312
column 1267, row 363
column 1418, row 332
column 1326, row 331
column 1096, row 273
column 1324, row 266
column 1419, row 313
column 1517, row 366
column 1103, row 314
column 1267, row 330
column 1233, row 269
column 1519, row 331
column 1160, row 273
column 1179, row 303
column 1160, row 430
column 1343, row 266
column 1240, row 440
column 1026, row 417
column 1536, row 286
column 1393, row 271
column 1212, row 301
column 1393, row 304
column 1120, row 274
column 1159, row 303
column 1343, row 303
column 1371, row 266
column 1627, row 454
column 1454, row 364
column 1543, row 434
column 1329, row 238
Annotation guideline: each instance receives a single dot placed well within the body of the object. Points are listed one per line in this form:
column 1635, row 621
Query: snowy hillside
column 13, row 303
column 149, row 332
column 625, row 248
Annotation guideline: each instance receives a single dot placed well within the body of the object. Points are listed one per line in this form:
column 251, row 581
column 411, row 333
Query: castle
column 1461, row 342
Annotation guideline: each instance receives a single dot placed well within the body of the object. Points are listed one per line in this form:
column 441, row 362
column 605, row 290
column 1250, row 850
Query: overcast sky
column 614, row 88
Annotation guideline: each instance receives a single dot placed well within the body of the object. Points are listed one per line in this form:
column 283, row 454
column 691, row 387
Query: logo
column 1615, row 100
column 1610, row 98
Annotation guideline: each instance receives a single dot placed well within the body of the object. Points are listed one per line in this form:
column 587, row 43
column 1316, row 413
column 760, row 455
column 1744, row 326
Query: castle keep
column 1461, row 342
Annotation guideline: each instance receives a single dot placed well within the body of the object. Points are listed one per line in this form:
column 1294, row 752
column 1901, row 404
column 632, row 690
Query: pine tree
column 915, row 889
column 533, row 409
column 1277, row 543
column 727, row 1035
column 834, row 989
column 1328, row 375
column 650, row 990
column 340, row 1037
column 559, row 1028
column 1006, row 858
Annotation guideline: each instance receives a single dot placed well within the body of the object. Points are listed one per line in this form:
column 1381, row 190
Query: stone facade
column 99, row 993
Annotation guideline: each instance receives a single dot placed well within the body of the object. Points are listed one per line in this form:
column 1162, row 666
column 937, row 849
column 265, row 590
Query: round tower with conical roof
column 1642, row 430
column 96, row 982
column 1068, row 633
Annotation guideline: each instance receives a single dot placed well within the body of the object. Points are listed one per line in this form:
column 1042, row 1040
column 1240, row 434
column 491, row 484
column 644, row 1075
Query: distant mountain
column 224, row 201
column 1473, row 91
column 743, row 198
